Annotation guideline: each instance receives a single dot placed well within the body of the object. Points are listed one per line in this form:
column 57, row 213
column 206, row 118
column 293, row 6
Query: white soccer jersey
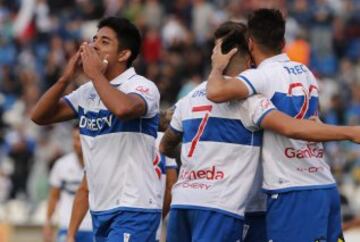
column 67, row 175
column 289, row 164
column 119, row 154
column 220, row 151
column 162, row 163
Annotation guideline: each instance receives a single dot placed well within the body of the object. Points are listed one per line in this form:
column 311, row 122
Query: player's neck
column 260, row 56
column 235, row 68
column 114, row 72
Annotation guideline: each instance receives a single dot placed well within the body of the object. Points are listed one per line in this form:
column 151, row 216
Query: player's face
column 106, row 45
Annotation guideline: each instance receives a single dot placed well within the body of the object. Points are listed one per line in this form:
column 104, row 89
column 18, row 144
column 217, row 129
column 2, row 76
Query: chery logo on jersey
column 208, row 174
column 310, row 151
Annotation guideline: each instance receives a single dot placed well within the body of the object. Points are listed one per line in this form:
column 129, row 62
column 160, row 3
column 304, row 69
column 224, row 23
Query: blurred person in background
column 65, row 178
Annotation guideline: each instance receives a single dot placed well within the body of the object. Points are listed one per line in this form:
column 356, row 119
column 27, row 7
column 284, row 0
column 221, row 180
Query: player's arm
column 124, row 106
column 220, row 89
column 171, row 178
column 51, row 108
column 79, row 209
column 170, row 143
column 283, row 124
column 53, row 199
column 352, row 224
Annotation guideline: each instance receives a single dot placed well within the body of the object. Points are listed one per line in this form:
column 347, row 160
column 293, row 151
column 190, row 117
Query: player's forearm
column 79, row 210
column 169, row 143
column 50, row 210
column 216, row 86
column 48, row 104
column 171, row 177
column 306, row 129
column 54, row 195
column 312, row 131
column 119, row 103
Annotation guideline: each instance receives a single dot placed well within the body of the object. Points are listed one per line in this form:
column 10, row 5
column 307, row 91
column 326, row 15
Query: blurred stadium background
column 37, row 37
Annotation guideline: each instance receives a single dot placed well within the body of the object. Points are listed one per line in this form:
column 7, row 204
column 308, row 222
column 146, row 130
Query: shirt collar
column 126, row 75
column 277, row 58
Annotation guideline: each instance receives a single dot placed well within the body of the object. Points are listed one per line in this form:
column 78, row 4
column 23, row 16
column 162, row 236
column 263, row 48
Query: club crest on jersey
column 92, row 96
column 142, row 89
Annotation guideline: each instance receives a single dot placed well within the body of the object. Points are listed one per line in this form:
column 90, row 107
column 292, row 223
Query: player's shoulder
column 141, row 82
column 252, row 73
column 198, row 91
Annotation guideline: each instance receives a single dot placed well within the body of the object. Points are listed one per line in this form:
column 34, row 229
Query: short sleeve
column 176, row 120
column 255, row 108
column 147, row 91
column 170, row 163
column 73, row 99
column 254, row 80
column 55, row 179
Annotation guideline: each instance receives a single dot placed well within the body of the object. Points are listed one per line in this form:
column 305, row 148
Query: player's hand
column 93, row 65
column 220, row 60
column 71, row 67
column 47, row 233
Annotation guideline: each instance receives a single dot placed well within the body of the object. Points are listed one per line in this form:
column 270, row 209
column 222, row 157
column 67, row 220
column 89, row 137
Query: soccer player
column 303, row 201
column 166, row 168
column 65, row 178
column 118, row 112
column 221, row 149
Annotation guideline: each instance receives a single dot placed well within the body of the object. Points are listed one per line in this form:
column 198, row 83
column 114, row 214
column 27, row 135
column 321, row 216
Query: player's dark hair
column 267, row 28
column 127, row 34
column 233, row 36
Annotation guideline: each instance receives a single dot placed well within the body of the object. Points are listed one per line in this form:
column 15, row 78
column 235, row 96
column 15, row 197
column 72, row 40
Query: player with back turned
column 220, row 151
column 303, row 200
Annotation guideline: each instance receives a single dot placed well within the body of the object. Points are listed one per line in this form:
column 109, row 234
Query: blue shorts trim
column 300, row 188
column 217, row 210
column 129, row 209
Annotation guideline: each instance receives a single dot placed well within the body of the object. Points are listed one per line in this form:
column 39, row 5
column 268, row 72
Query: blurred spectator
column 299, row 50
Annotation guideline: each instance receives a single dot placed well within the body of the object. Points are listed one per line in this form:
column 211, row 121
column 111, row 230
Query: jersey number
column 307, row 95
column 195, row 140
